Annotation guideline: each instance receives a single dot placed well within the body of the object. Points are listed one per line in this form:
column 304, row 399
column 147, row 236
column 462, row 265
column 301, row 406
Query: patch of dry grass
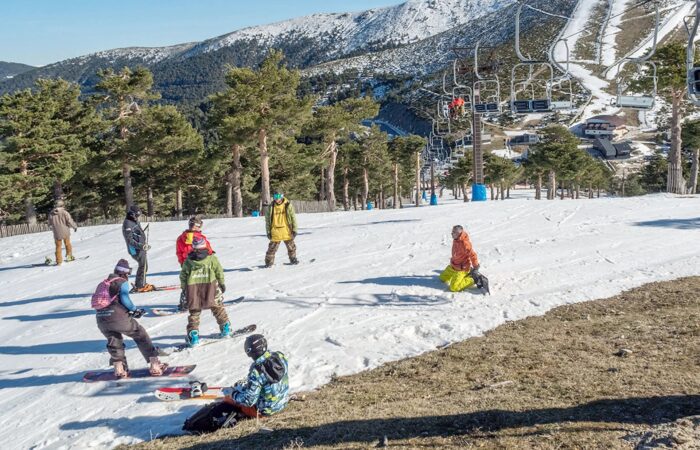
column 557, row 381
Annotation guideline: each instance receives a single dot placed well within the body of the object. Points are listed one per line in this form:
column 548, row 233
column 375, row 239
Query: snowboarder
column 266, row 390
column 183, row 247
column 463, row 270
column 116, row 316
column 202, row 279
column 281, row 226
column 60, row 222
column 137, row 246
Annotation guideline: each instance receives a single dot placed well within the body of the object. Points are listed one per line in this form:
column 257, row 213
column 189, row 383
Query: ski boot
column 146, row 288
column 197, row 389
column 155, row 367
column 193, row 338
column 226, row 330
column 70, row 258
column 294, row 261
column 120, row 370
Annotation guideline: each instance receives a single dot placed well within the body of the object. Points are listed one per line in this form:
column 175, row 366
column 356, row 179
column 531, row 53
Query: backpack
column 211, row 417
column 101, row 298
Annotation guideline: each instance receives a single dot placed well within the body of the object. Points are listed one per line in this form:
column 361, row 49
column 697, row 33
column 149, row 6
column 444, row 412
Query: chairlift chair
column 488, row 87
column 562, row 90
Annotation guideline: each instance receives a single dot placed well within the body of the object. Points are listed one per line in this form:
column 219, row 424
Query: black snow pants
column 142, row 261
column 114, row 322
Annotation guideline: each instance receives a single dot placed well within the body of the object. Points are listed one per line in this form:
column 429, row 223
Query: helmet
column 195, row 220
column 277, row 195
column 199, row 242
column 133, row 211
column 255, row 345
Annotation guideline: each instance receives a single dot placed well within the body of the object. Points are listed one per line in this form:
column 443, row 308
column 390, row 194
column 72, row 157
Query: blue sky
column 40, row 32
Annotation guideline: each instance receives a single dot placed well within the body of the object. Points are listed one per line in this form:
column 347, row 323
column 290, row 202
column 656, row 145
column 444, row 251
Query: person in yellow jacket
column 281, row 226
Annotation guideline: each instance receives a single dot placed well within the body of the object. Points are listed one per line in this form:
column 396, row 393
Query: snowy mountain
column 9, row 70
column 366, row 292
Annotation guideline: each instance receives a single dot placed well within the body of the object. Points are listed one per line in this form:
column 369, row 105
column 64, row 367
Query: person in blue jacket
column 116, row 316
column 266, row 390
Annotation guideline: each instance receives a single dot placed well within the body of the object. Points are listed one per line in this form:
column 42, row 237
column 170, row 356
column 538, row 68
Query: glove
column 222, row 287
column 138, row 313
column 294, row 234
column 474, row 273
column 269, row 236
column 146, row 248
column 75, row 229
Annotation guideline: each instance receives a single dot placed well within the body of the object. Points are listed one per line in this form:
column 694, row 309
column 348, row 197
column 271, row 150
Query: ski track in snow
column 371, row 296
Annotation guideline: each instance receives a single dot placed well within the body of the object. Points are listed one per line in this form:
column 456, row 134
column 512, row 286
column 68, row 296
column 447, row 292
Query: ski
column 240, row 332
column 51, row 262
column 174, row 311
column 107, row 375
column 172, row 287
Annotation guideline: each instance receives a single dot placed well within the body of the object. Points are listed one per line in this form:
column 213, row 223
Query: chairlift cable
column 644, row 2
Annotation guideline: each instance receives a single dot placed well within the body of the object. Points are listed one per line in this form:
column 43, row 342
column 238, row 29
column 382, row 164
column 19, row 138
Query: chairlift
column 693, row 75
column 488, row 89
column 645, row 69
column 540, row 98
column 562, row 90
column 459, row 94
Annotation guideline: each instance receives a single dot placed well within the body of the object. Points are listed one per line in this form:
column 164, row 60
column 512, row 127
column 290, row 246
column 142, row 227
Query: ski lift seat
column 635, row 101
column 487, row 107
column 557, row 105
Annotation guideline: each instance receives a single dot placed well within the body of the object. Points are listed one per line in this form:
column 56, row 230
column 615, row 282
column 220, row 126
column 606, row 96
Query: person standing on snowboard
column 116, row 316
column 60, row 222
column 281, row 226
column 463, row 270
column 202, row 279
column 136, row 245
column 183, row 247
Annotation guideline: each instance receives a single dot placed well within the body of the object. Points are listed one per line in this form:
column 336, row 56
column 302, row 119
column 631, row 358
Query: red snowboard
column 170, row 371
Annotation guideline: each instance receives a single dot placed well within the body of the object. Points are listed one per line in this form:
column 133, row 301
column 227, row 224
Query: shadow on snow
column 680, row 224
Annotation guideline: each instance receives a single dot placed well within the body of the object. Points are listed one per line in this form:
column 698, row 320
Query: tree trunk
column 396, row 185
column 229, row 196
column 503, row 191
column 346, row 189
column 29, row 211
column 149, row 202
column 128, row 188
column 538, row 187
column 552, row 185
column 577, row 191
column 264, row 170
column 692, row 187
column 178, row 203
column 561, row 190
column 236, row 170
column 508, row 192
column 492, row 193
column 365, row 187
column 417, row 178
column 590, row 190
column 676, row 183
column 464, row 191
column 330, row 176
column 322, row 186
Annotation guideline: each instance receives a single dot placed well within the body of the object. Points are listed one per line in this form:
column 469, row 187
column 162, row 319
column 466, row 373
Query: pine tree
column 401, row 150
column 691, row 139
column 553, row 152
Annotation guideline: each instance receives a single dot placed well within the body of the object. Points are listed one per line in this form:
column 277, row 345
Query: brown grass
column 550, row 382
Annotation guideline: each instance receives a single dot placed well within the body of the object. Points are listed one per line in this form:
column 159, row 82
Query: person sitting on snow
column 183, row 247
column 266, row 390
column 116, row 316
column 463, row 270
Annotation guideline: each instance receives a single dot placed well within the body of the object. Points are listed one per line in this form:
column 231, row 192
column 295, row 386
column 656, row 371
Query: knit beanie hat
column 199, row 242
column 122, row 267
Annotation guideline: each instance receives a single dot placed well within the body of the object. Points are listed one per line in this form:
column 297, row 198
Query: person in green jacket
column 202, row 280
column 281, row 226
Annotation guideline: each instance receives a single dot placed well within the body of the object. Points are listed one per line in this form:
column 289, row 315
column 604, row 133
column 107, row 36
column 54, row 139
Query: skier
column 202, row 279
column 136, row 245
column 266, row 390
column 463, row 270
column 60, row 222
column 183, row 247
column 281, row 226
column 116, row 316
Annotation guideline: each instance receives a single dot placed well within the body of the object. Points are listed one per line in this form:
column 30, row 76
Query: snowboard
column 51, row 262
column 300, row 262
column 107, row 375
column 174, row 311
column 169, row 394
column 240, row 332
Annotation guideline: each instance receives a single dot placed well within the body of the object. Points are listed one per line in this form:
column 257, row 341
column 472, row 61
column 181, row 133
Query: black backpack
column 211, row 417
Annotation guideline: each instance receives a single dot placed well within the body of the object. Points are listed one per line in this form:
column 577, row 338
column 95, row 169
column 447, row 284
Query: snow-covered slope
column 371, row 295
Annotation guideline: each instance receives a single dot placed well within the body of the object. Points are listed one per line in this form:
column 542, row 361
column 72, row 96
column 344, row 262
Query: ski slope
column 371, row 295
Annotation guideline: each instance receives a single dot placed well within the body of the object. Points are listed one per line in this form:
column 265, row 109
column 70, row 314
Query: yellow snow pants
column 456, row 280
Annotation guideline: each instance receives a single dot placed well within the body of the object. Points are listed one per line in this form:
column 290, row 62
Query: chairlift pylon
column 645, row 69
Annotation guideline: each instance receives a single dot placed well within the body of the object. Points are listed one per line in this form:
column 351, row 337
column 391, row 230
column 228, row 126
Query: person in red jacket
column 183, row 247
column 463, row 271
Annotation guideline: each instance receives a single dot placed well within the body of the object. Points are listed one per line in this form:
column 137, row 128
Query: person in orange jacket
column 457, row 107
column 463, row 270
column 183, row 247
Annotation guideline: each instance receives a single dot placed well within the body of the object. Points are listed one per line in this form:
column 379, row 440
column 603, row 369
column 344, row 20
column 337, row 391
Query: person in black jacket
column 137, row 246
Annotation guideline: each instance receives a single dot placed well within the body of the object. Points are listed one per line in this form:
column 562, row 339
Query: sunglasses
column 277, row 196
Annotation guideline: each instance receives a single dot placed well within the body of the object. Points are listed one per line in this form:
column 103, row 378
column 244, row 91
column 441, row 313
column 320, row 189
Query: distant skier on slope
column 183, row 247
column 281, row 226
column 116, row 316
column 202, row 279
column 60, row 222
column 463, row 270
column 136, row 245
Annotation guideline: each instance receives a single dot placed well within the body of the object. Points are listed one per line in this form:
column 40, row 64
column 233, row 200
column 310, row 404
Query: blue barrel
column 370, row 206
column 424, row 197
column 255, row 213
column 478, row 192
column 433, row 199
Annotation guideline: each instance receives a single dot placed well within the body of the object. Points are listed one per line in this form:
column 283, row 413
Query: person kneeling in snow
column 116, row 315
column 463, row 271
column 263, row 393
